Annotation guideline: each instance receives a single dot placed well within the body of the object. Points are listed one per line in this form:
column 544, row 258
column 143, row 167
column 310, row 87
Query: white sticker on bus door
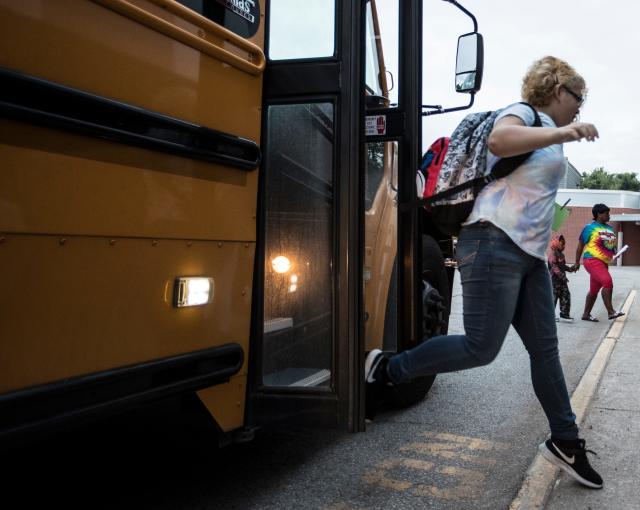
column 375, row 125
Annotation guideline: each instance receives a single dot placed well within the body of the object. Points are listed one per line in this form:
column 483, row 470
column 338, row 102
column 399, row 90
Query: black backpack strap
column 501, row 169
column 479, row 182
column 536, row 118
column 507, row 165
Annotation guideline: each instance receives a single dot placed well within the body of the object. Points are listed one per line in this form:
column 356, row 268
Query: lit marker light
column 194, row 291
column 281, row 264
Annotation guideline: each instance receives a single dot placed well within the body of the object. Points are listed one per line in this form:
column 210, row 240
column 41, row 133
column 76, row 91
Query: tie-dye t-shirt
column 522, row 203
column 599, row 241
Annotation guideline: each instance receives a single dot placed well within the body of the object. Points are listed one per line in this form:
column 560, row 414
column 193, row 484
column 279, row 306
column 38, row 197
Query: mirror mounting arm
column 437, row 109
column 473, row 18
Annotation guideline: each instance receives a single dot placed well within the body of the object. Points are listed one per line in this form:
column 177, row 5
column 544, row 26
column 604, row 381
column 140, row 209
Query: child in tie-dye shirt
column 597, row 246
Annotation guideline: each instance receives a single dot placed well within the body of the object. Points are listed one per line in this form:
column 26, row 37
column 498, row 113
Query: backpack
column 454, row 170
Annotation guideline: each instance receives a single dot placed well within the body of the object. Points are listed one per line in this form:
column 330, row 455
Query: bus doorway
column 305, row 336
column 339, row 151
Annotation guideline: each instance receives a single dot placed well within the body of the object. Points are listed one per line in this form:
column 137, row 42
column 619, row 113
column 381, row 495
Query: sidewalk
column 612, row 429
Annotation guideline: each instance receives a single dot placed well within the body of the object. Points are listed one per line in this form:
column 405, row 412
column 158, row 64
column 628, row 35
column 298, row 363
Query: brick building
column 625, row 219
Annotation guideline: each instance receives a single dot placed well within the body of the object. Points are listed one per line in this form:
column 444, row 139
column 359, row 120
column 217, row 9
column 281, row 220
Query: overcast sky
column 599, row 38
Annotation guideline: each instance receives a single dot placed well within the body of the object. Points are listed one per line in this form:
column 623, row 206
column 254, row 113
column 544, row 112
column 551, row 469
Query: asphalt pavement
column 468, row 445
column 613, row 424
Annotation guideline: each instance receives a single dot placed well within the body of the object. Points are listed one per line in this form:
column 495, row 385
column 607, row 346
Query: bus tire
column 435, row 315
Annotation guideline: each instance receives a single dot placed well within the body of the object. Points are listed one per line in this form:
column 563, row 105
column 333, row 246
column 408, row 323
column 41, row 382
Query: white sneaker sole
column 369, row 364
column 547, row 454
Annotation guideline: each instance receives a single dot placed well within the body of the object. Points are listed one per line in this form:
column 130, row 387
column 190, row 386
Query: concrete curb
column 541, row 475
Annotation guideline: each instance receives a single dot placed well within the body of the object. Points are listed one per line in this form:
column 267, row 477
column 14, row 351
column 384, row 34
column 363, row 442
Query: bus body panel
column 73, row 43
column 94, row 232
column 74, row 305
column 54, row 182
column 226, row 402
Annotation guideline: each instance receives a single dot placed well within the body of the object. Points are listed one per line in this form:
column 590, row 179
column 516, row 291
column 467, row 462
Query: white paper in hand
column 622, row 250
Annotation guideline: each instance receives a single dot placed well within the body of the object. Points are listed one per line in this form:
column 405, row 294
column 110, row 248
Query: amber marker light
column 281, row 264
column 193, row 291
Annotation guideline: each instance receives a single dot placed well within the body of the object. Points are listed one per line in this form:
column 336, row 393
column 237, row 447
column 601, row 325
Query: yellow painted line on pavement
column 446, row 451
column 343, row 506
column 471, row 483
column 470, row 443
column 381, row 479
column 460, row 483
column 541, row 475
column 422, row 465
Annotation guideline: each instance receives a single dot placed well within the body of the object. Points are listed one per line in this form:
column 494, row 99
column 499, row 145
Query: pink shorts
column 599, row 272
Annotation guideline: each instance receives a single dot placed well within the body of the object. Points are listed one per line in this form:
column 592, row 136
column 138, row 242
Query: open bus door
column 310, row 318
column 306, row 342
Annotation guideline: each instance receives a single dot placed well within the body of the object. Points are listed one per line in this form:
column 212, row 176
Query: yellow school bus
column 200, row 197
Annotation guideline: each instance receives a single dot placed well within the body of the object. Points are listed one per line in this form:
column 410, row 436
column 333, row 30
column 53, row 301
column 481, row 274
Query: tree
column 600, row 179
column 628, row 181
column 597, row 179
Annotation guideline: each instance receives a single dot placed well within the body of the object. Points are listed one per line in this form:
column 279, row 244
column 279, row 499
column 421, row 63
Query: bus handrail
column 165, row 27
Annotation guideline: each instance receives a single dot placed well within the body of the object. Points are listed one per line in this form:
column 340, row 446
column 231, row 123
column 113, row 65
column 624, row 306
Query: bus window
column 381, row 241
column 374, row 171
column 295, row 31
column 373, row 64
column 381, row 72
column 299, row 274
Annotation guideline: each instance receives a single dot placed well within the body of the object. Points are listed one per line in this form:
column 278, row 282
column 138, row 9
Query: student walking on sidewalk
column 598, row 242
column 559, row 269
column 501, row 255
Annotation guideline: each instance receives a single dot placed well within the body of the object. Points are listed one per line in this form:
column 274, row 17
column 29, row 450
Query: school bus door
column 308, row 339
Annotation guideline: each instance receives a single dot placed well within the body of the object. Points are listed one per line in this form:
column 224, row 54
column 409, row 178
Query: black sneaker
column 565, row 318
column 573, row 459
column 375, row 373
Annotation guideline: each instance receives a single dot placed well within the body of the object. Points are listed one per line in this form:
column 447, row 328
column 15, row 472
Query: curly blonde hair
column 543, row 75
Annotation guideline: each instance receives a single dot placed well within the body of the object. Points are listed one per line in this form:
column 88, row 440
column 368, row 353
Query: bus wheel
column 435, row 315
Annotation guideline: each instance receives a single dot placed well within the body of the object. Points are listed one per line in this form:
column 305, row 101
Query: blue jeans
column 501, row 285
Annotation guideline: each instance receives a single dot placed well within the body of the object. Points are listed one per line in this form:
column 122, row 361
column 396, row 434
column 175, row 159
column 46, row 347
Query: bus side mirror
column 469, row 63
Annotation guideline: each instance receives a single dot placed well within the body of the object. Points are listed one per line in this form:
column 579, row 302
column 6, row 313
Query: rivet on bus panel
column 112, row 242
column 189, row 243
column 62, row 240
column 219, row 245
column 2, row 239
column 154, row 243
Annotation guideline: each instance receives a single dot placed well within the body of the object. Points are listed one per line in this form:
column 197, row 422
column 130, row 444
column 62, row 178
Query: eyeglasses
column 575, row 96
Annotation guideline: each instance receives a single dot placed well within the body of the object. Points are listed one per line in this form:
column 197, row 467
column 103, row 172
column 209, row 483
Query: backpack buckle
column 489, row 178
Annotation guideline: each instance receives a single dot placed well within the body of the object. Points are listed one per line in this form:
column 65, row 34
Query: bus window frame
column 337, row 28
column 257, row 347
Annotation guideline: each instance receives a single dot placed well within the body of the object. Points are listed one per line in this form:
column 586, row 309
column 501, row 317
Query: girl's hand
column 576, row 131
